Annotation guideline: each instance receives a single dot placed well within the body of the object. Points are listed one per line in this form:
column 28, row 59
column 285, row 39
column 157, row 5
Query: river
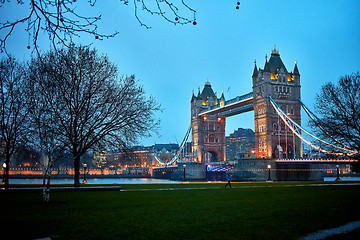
column 94, row 180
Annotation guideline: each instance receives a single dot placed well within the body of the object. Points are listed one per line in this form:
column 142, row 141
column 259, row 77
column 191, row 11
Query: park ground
column 284, row 210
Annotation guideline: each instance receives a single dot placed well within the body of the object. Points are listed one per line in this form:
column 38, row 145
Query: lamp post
column 84, row 181
column 4, row 167
column 337, row 173
column 269, row 178
column 184, row 171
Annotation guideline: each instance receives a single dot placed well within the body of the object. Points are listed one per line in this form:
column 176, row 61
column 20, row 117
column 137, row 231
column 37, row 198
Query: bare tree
column 339, row 108
column 94, row 108
column 42, row 124
column 62, row 20
column 13, row 108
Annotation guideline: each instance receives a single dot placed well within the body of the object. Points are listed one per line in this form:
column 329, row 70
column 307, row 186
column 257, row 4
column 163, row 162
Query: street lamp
column 4, row 167
column 84, row 181
column 269, row 178
column 184, row 170
column 337, row 173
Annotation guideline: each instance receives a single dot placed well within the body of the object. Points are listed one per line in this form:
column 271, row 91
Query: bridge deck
column 237, row 105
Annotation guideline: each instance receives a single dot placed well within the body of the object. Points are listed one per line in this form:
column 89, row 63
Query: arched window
column 275, row 127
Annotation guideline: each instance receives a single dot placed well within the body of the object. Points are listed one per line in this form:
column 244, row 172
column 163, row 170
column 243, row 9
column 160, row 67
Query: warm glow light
column 4, row 165
column 219, row 119
column 269, row 166
column 205, row 118
column 273, row 76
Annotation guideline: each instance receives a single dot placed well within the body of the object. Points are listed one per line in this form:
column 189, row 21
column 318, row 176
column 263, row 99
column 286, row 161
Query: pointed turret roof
column 222, row 98
column 275, row 62
column 193, row 96
column 255, row 72
column 296, row 70
column 207, row 92
column 266, row 67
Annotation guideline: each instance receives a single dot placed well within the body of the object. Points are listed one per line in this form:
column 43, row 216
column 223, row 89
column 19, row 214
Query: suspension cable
column 297, row 129
column 318, row 123
column 176, row 156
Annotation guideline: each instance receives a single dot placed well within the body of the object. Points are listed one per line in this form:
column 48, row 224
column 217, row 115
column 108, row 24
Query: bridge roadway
column 237, row 105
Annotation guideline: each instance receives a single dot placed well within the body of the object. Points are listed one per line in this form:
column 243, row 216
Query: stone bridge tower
column 273, row 139
column 208, row 132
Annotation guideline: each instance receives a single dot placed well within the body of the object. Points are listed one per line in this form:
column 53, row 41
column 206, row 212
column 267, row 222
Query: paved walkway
column 240, row 187
column 333, row 231
column 64, row 189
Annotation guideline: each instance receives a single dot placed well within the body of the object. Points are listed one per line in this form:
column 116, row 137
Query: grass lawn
column 208, row 211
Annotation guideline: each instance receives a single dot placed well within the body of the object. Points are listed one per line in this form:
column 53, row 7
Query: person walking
column 228, row 178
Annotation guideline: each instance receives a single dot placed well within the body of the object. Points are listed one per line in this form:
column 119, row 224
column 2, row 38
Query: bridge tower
column 272, row 138
column 208, row 132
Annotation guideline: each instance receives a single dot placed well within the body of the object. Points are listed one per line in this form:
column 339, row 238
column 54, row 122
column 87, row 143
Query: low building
column 240, row 144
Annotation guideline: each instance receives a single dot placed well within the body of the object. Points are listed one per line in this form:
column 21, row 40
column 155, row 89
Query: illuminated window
column 273, row 76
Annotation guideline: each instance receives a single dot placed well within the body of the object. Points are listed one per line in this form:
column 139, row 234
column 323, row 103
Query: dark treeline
column 64, row 103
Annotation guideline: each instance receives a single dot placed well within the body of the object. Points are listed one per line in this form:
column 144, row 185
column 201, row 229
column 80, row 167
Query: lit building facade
column 272, row 138
column 240, row 144
column 208, row 132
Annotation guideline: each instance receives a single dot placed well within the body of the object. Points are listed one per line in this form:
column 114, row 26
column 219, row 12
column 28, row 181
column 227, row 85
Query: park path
column 322, row 234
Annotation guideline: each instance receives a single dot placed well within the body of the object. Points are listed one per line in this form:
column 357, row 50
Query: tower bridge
column 272, row 138
column 275, row 101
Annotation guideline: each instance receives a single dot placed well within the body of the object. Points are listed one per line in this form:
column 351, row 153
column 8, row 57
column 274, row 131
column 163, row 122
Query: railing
column 239, row 98
column 314, row 160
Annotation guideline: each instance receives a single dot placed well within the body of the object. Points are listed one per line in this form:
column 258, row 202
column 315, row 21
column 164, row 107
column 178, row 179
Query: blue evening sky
column 172, row 61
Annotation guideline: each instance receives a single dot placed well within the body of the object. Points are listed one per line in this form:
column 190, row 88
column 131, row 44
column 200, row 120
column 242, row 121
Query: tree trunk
column 46, row 185
column 77, row 171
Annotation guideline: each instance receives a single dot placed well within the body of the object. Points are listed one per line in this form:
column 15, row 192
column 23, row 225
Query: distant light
column 219, row 119
column 4, row 165
column 269, row 166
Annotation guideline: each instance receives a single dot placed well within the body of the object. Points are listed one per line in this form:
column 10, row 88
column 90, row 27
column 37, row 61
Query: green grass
column 250, row 211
